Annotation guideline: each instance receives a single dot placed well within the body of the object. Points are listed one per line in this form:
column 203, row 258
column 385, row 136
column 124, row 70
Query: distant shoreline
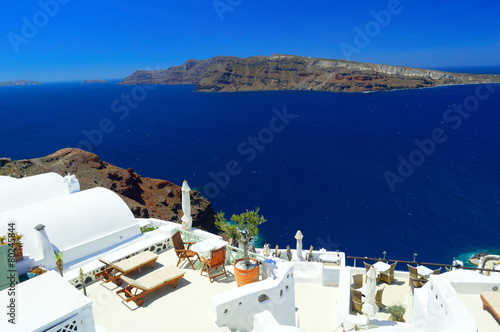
column 19, row 83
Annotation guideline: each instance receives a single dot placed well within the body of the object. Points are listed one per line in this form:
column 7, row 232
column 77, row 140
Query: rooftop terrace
column 187, row 307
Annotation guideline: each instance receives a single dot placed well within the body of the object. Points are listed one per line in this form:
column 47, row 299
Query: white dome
column 6, row 179
column 30, row 190
column 79, row 224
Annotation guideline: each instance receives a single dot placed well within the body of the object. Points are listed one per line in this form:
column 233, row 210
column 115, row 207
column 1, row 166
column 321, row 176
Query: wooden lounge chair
column 378, row 297
column 217, row 259
column 388, row 277
column 447, row 269
column 357, row 302
column 357, row 281
column 491, row 301
column 136, row 289
column 182, row 252
column 113, row 271
column 438, row 271
column 368, row 267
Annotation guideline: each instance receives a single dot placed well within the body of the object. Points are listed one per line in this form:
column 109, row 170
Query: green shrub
column 397, row 311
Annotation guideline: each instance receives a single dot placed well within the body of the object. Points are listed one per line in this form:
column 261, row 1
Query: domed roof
column 81, row 224
column 29, row 190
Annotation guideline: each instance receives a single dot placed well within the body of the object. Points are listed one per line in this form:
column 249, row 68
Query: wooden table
column 424, row 271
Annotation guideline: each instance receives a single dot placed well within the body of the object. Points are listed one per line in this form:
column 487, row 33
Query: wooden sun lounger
column 149, row 283
column 113, row 271
column 491, row 300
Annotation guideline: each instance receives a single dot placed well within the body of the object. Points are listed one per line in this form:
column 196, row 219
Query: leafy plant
column 38, row 270
column 2, row 240
column 397, row 311
column 59, row 261
column 242, row 227
column 148, row 228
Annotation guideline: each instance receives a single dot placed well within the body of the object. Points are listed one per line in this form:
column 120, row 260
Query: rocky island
column 146, row 197
column 94, row 81
column 19, row 83
column 289, row 72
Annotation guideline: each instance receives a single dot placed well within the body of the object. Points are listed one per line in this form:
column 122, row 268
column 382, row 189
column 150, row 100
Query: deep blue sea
column 312, row 161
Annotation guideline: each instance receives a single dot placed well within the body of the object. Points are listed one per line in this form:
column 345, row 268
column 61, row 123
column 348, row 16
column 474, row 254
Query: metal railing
column 232, row 253
column 419, row 263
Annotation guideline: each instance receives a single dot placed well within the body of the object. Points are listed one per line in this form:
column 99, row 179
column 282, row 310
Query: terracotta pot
column 244, row 277
column 19, row 256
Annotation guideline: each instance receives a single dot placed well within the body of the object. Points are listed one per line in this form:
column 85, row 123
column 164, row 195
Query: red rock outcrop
column 145, row 197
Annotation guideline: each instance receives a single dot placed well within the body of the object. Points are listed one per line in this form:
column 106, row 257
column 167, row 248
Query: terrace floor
column 186, row 308
column 485, row 322
column 397, row 292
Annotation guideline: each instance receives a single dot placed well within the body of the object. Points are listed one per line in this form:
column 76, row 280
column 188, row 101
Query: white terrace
column 319, row 303
column 291, row 296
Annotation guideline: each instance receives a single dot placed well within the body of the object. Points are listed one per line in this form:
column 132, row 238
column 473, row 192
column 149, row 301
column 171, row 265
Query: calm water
column 319, row 169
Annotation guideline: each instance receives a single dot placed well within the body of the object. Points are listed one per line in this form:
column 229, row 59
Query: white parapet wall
column 437, row 307
column 344, row 315
column 47, row 303
column 236, row 309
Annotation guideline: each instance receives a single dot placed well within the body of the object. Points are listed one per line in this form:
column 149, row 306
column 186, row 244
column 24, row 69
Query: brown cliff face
column 190, row 73
column 146, row 197
column 288, row 72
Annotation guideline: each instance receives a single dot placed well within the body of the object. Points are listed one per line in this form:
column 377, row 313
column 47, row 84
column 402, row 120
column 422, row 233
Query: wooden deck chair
column 113, row 271
column 388, row 277
column 368, row 267
column 413, row 275
column 438, row 271
column 357, row 281
column 447, row 269
column 416, row 283
column 276, row 253
column 135, row 290
column 182, row 252
column 357, row 302
column 309, row 257
column 378, row 297
column 288, row 253
column 217, row 259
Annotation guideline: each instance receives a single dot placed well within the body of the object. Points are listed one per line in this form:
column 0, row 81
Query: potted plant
column 242, row 227
column 36, row 271
column 397, row 312
column 59, row 261
column 17, row 244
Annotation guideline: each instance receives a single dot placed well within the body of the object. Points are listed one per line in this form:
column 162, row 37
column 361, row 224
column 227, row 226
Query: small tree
column 241, row 227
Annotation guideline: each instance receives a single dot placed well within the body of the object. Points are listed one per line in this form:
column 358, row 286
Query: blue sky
column 75, row 40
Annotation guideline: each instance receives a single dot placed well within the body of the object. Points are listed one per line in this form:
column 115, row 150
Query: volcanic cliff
column 289, row 72
column 146, row 197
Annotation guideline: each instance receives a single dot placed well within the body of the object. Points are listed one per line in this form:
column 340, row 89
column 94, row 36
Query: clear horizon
column 64, row 40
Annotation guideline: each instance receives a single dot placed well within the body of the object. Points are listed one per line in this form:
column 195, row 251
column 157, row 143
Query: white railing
column 232, row 253
column 188, row 236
